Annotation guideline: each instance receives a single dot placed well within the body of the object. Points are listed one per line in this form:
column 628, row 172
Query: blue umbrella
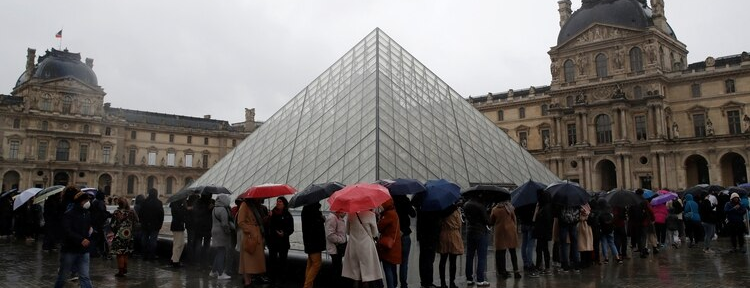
column 526, row 194
column 440, row 194
column 568, row 193
column 402, row 186
column 648, row 194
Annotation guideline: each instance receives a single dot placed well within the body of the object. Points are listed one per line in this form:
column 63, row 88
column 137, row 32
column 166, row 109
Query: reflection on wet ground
column 28, row 266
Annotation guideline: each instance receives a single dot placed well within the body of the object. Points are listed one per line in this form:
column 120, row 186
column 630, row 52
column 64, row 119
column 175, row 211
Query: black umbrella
column 697, row 191
column 622, row 198
column 738, row 190
column 8, row 193
column 402, row 186
column 526, row 194
column 314, row 194
column 714, row 188
column 568, row 193
column 203, row 189
column 491, row 193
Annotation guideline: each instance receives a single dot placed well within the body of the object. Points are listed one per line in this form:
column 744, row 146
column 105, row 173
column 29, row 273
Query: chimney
column 207, row 116
column 90, row 63
column 30, row 55
column 249, row 120
column 565, row 11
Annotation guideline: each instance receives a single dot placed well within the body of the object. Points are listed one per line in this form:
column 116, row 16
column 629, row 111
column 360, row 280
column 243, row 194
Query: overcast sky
column 216, row 57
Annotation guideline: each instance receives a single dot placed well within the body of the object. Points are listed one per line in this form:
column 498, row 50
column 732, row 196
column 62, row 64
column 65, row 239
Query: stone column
column 588, row 173
column 623, row 124
column 651, row 122
column 660, row 122
column 585, row 128
column 628, row 177
column 655, row 172
column 620, row 171
column 558, row 133
column 616, row 125
column 579, row 128
column 662, row 171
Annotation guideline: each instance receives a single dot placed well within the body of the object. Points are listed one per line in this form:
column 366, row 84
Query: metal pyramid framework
column 377, row 113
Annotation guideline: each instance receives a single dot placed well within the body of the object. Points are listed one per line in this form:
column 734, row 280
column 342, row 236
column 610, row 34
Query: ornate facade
column 56, row 129
column 624, row 110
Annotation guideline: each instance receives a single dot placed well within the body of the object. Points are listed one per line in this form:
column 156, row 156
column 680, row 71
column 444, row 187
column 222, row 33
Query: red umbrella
column 268, row 191
column 358, row 197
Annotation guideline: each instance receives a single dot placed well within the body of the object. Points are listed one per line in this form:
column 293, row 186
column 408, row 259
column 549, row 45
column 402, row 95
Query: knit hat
column 734, row 195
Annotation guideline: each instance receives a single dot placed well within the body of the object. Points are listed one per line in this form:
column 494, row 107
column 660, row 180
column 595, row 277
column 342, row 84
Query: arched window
column 570, row 71
column 637, row 92
column 601, row 65
column 545, row 110
column 66, row 103
column 16, row 123
column 132, row 182
column 150, row 182
column 63, row 151
column 636, row 60
column 521, row 113
column 86, row 129
column 603, row 129
column 500, row 115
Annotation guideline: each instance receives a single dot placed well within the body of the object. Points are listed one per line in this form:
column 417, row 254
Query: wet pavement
column 25, row 265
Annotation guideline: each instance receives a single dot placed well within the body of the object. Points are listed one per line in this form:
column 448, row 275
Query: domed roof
column 626, row 13
column 56, row 64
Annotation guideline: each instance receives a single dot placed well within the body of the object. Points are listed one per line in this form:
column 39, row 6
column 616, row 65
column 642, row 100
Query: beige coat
column 585, row 236
column 255, row 262
column 450, row 235
column 504, row 222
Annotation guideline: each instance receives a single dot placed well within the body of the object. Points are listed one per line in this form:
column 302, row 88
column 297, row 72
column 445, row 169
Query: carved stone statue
column 162, row 161
column 658, row 7
column 524, row 143
column 510, row 93
column 746, row 121
column 618, row 93
column 618, row 58
column 554, row 69
column 143, row 160
column 651, row 52
column 532, row 90
column 582, row 62
column 675, row 131
column 709, row 127
column 546, row 143
column 580, row 99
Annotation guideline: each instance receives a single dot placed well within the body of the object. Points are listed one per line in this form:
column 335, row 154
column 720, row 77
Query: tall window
column 696, row 90
column 15, row 145
column 63, row 151
column 545, row 110
column 234, row 142
column 572, row 134
column 205, row 161
column 637, row 92
column 729, row 84
column 500, row 115
column 153, row 136
column 521, row 113
column 190, row 139
column 171, row 138
column 603, row 129
column 86, row 129
column 108, row 131
column 170, row 185
column 205, row 140
column 132, row 134
column 570, row 71
column 45, row 125
column 699, row 125
column 106, row 152
column 151, row 158
column 46, row 103
column 735, row 125
column 16, row 123
column 131, row 156
column 83, row 153
column 636, row 60
column 131, row 184
column 170, row 158
column 41, row 153
column 601, row 65
column 66, row 103
column 86, row 107
column 523, row 139
column 640, row 128
column 150, row 182
column 188, row 160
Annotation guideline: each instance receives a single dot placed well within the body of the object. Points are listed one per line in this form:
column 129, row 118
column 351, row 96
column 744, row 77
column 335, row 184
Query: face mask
column 87, row 205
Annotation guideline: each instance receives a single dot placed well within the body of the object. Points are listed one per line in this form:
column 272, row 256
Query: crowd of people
column 371, row 248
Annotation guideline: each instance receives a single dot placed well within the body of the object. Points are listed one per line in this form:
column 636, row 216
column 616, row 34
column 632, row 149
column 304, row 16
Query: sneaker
column 483, row 284
column 224, row 276
column 213, row 274
column 517, row 275
column 470, row 282
column 577, row 271
column 73, row 277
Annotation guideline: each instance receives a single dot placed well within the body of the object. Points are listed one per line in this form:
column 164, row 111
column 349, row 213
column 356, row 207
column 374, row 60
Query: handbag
column 250, row 245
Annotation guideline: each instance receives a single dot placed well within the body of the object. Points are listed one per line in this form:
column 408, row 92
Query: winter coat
column 221, row 233
column 476, row 218
column 313, row 229
column 76, row 223
column 504, row 223
column 335, row 233
column 389, row 243
column 585, row 234
column 735, row 215
column 360, row 261
column 201, row 217
column 251, row 262
column 405, row 212
column 543, row 223
column 691, row 209
column 660, row 213
column 450, row 234
column 280, row 221
column 708, row 215
column 151, row 214
column 428, row 230
column 179, row 212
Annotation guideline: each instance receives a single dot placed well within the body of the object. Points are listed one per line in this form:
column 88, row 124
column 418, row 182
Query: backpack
column 570, row 215
column 676, row 207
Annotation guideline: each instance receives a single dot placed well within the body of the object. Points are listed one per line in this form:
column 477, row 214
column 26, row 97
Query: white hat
column 734, row 195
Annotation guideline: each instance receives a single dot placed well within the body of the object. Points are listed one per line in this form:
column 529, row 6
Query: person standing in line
column 525, row 216
column 74, row 254
column 124, row 220
column 568, row 238
column 361, row 262
column 405, row 213
column 152, row 218
column 252, row 257
column 543, row 232
column 99, row 216
column 314, row 240
column 202, row 227
column 660, row 223
column 503, row 218
column 674, row 223
column 606, row 228
column 280, row 226
column 450, row 245
column 428, row 231
column 179, row 214
column 692, row 217
column 336, row 240
column 477, row 231
column 221, row 236
column 389, row 243
column 52, row 222
column 735, row 222
column 190, row 227
column 708, row 220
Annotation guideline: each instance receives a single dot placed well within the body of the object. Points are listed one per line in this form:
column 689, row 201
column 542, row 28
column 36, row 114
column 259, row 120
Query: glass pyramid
column 377, row 113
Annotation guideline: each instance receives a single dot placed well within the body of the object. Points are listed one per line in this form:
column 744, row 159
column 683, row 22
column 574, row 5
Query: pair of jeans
column 389, row 271
column 199, row 245
column 621, row 241
column 476, row 245
column 403, row 268
column 542, row 254
column 608, row 242
column 314, row 261
column 78, row 262
column 527, row 246
column 565, row 233
column 710, row 230
column 149, row 243
column 219, row 260
column 426, row 263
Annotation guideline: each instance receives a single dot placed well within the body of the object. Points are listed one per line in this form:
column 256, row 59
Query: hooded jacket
column 691, row 209
column 76, row 224
column 221, row 233
column 389, row 244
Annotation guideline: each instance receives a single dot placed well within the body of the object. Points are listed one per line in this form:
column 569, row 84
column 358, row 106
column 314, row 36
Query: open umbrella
column 491, row 193
column 697, row 190
column 24, row 197
column 738, row 190
column 47, row 192
column 268, row 190
column 358, row 197
column 745, row 186
column 526, row 194
column 9, row 193
column 202, row 189
column 314, row 193
column 663, row 199
column 401, row 186
column 440, row 194
column 622, row 198
column 568, row 193
column 648, row 194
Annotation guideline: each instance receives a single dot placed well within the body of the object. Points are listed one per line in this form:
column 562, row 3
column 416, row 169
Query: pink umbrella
column 662, row 192
column 358, row 197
